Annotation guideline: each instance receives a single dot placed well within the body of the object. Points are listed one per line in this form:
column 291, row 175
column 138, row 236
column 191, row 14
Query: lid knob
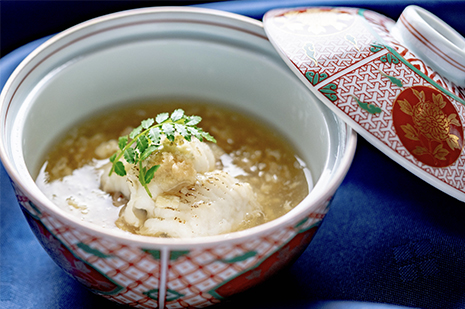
column 434, row 41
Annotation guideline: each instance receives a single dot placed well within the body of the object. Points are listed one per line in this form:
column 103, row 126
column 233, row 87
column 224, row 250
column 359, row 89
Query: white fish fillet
column 189, row 197
column 217, row 203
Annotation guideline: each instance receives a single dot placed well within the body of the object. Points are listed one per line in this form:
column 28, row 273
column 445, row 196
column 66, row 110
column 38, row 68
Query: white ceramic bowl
column 165, row 52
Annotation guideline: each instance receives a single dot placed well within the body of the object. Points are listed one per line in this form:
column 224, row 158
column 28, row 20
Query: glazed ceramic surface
column 360, row 64
column 156, row 53
column 434, row 41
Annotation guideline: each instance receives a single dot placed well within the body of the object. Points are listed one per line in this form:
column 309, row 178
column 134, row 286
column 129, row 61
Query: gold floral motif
column 430, row 122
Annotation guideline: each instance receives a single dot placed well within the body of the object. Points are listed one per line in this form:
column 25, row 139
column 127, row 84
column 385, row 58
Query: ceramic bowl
column 163, row 52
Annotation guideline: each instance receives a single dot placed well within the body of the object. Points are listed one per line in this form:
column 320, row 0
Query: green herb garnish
column 146, row 139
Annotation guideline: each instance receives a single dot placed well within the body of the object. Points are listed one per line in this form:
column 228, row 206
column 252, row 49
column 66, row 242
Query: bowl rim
column 292, row 216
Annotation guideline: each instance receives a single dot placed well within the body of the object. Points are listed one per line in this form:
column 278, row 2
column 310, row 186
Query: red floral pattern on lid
column 428, row 126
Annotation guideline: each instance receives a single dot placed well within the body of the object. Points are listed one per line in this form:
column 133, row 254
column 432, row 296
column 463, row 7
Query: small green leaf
column 169, row 131
column 193, row 120
column 194, row 131
column 155, row 135
column 150, row 173
column 208, row 137
column 162, row 117
column 135, row 132
column 147, row 123
column 177, row 115
column 148, row 152
column 122, row 142
column 130, row 155
column 181, row 129
column 142, row 143
column 113, row 158
column 119, row 169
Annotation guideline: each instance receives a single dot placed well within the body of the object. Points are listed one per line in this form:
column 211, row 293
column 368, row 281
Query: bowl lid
column 399, row 85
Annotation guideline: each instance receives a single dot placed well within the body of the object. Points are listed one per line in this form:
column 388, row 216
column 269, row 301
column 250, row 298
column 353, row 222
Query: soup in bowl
column 113, row 72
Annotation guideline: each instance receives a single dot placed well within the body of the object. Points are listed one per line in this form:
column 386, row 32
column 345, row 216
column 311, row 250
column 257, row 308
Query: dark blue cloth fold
column 388, row 239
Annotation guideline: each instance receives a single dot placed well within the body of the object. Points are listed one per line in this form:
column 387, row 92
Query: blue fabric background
column 389, row 238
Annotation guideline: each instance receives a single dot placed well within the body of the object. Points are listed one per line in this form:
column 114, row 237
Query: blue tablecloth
column 388, row 239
